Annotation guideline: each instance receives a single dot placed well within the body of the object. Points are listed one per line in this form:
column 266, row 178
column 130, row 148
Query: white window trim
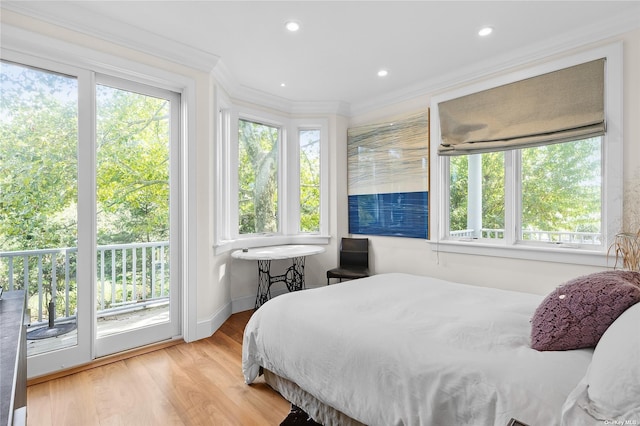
column 296, row 126
column 226, row 233
column 612, row 177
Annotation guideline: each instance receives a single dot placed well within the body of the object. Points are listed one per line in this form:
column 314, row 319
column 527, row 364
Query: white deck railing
column 127, row 276
column 591, row 238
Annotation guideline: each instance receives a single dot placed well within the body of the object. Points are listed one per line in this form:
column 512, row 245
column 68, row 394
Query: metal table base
column 293, row 278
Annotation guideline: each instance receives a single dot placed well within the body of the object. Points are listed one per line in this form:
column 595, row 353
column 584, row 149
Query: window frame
column 226, row 231
column 281, row 172
column 612, row 159
column 298, row 125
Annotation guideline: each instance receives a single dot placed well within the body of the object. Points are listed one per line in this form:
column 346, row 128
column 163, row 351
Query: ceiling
column 341, row 45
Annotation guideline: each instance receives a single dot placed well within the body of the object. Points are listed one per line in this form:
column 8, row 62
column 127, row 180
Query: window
column 559, row 187
column 272, row 179
column 561, row 193
column 309, row 140
column 258, row 147
column 477, row 196
column 558, row 202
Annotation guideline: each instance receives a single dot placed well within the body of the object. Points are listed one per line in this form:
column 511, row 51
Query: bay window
column 272, row 179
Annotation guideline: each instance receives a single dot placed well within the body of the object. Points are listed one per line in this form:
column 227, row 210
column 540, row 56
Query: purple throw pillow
column 577, row 313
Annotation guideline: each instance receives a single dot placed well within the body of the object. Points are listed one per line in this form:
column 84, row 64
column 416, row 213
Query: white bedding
column 398, row 349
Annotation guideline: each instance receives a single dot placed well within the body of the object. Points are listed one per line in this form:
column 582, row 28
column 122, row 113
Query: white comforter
column 398, row 349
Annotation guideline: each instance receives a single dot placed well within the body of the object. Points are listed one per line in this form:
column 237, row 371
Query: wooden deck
column 106, row 326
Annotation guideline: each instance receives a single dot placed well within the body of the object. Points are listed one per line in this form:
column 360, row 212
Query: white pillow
column 613, row 378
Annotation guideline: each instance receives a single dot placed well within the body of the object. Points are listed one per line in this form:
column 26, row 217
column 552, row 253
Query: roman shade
column 560, row 106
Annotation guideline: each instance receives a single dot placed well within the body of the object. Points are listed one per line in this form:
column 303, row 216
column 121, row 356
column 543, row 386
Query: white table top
column 277, row 252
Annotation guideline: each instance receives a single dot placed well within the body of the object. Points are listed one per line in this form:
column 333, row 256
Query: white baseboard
column 209, row 326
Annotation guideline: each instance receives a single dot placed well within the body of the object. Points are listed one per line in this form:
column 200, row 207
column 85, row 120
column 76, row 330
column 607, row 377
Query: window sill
column 225, row 246
column 551, row 253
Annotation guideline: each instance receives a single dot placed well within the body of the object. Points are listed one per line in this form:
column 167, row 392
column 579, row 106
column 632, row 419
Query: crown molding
column 149, row 43
column 238, row 92
column 110, row 30
column 156, row 45
column 17, row 41
column 256, row 97
column 584, row 38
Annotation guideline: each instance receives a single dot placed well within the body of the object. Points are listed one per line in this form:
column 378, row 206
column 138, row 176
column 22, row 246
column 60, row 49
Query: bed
column 399, row 349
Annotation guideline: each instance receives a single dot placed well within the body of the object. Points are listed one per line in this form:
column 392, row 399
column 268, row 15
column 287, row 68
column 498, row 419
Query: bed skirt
column 320, row 412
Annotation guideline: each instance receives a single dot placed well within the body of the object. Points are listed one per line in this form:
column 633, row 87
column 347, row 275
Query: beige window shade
column 560, row 106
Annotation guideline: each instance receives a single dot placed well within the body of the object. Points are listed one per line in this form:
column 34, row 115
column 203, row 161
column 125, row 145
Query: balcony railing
column 560, row 237
column 128, row 276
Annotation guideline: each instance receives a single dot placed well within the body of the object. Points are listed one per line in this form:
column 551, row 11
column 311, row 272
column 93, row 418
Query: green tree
column 310, row 181
column 257, row 177
column 38, row 160
column 38, row 175
column 492, row 191
column 132, row 167
column 561, row 187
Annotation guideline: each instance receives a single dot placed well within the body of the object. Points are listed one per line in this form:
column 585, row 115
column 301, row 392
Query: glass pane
column 257, row 177
column 132, row 176
column 38, row 199
column 477, row 196
column 561, row 192
column 309, row 180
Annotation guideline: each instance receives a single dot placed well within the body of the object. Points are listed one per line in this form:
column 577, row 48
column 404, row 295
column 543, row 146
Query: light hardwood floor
column 197, row 383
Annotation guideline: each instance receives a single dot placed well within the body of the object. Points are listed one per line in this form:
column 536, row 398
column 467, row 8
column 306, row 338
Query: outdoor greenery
column 39, row 173
column 561, row 188
column 258, row 178
column 132, row 167
column 309, row 181
column 38, row 161
column 492, row 191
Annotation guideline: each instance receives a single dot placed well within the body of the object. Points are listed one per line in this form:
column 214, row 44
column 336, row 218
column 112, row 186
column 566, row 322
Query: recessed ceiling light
column 485, row 31
column 292, row 26
column 283, row 85
column 383, row 73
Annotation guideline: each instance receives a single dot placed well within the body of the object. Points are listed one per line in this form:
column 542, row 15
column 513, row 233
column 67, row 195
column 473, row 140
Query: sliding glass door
column 88, row 213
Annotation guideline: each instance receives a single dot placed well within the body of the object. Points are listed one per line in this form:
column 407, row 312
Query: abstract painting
column 388, row 177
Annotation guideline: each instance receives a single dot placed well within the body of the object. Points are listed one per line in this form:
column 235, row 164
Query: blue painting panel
column 398, row 214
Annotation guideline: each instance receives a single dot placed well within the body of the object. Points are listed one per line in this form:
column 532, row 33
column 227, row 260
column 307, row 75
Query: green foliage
column 458, row 198
column 310, row 181
column 492, row 191
column 132, row 167
column 39, row 171
column 561, row 188
column 257, row 177
column 38, row 161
